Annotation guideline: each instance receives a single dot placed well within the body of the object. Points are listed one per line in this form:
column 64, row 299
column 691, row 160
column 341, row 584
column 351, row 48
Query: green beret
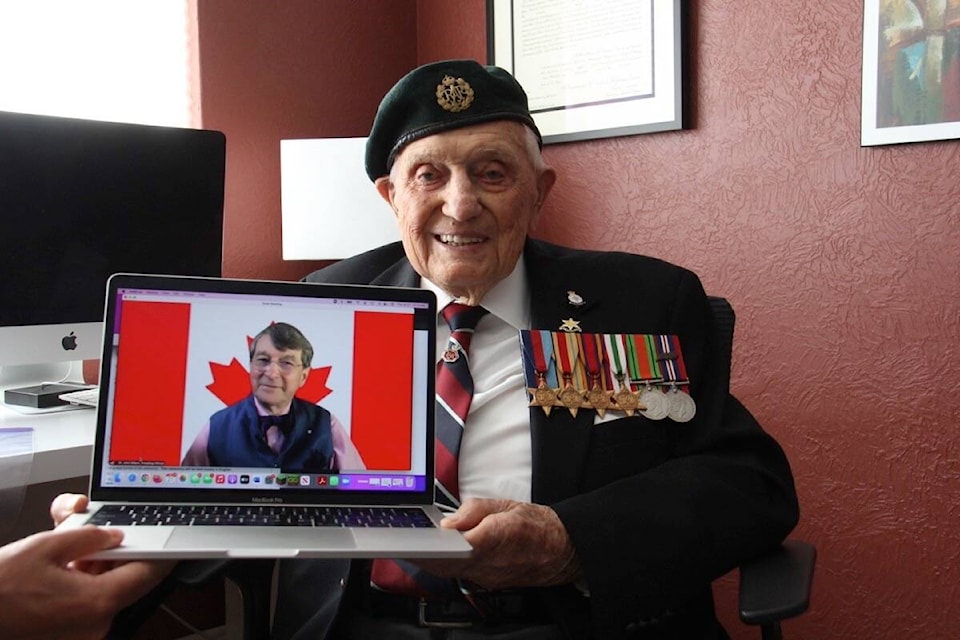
column 437, row 97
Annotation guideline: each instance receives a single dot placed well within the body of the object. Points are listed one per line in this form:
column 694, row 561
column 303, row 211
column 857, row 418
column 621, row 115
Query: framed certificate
column 592, row 69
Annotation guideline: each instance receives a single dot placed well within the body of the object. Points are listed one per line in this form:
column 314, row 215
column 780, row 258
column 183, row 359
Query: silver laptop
column 182, row 464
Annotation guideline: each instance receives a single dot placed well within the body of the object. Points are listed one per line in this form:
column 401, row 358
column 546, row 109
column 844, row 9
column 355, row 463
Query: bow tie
column 284, row 423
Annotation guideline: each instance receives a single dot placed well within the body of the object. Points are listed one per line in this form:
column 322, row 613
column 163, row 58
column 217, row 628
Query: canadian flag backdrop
column 178, row 363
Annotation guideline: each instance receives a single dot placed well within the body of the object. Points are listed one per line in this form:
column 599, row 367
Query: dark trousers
column 332, row 599
column 361, row 628
column 367, row 614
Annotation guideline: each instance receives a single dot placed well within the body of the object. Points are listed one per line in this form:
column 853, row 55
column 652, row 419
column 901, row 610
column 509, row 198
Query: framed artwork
column 592, row 69
column 911, row 71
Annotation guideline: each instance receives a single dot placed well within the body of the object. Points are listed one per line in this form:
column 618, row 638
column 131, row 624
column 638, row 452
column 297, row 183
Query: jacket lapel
column 559, row 441
column 400, row 274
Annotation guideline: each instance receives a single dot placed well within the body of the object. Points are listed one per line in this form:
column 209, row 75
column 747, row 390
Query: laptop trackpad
column 264, row 542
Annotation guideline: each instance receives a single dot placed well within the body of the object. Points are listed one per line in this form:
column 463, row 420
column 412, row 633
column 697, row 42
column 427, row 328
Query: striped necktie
column 454, row 394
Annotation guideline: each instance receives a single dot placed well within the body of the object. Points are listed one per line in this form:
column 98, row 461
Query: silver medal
column 655, row 402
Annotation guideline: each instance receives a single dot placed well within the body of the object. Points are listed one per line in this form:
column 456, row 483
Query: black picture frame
column 593, row 69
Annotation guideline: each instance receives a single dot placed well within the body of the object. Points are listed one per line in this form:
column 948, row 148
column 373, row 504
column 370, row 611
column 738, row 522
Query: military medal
column 597, row 397
column 533, row 348
column 655, row 401
column 682, row 408
column 625, row 400
column 648, row 371
column 680, row 405
column 566, row 353
column 644, row 369
column 578, row 370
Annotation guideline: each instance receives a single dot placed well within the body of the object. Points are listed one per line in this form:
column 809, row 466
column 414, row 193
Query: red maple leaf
column 231, row 383
column 315, row 388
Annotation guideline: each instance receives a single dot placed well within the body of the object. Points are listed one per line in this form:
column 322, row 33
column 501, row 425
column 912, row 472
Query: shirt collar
column 262, row 412
column 508, row 299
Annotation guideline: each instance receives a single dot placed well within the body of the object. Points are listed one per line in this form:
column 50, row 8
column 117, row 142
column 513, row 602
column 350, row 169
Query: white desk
column 62, row 453
column 62, row 442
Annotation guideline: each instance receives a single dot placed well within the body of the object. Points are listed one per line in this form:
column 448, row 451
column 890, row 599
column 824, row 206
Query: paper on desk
column 16, row 456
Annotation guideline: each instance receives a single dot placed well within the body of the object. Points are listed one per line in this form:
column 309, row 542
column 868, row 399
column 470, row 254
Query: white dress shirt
column 495, row 452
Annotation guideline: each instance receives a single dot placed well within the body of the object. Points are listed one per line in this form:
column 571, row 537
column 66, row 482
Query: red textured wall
column 842, row 262
column 293, row 69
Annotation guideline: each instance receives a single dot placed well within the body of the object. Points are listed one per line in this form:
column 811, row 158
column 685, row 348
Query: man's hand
column 66, row 504
column 515, row 544
column 42, row 595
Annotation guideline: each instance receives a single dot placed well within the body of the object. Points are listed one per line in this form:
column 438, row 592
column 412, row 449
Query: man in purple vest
column 271, row 427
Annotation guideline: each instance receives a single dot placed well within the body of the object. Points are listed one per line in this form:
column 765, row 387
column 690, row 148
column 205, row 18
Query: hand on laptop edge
column 65, row 505
column 515, row 544
column 46, row 592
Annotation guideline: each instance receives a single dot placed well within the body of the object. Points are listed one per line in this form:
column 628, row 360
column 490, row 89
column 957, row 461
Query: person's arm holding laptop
column 47, row 592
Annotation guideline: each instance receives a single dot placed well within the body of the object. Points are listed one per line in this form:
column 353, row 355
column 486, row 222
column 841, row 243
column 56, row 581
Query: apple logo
column 69, row 342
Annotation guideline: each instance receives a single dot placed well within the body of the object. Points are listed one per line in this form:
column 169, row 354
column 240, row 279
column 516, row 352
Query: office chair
column 773, row 587
column 776, row 586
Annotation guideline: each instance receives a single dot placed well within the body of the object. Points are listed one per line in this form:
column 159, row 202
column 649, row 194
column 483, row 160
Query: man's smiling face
column 276, row 375
column 465, row 200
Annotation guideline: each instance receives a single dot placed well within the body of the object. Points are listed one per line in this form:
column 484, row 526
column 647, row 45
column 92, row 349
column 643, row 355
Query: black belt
column 486, row 609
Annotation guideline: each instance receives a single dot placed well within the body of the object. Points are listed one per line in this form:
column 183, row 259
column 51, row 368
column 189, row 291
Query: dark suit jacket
column 656, row 509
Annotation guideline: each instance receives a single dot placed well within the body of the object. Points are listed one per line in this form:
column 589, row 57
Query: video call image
column 183, row 370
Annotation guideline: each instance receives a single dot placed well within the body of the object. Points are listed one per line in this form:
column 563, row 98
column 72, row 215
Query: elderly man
column 593, row 522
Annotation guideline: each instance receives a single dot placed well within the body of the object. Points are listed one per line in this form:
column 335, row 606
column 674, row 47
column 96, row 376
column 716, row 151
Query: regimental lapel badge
column 574, row 298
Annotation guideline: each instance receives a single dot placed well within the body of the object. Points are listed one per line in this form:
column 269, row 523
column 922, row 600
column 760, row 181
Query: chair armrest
column 777, row 586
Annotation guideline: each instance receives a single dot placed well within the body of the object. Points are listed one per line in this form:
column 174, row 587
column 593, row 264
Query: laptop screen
column 190, row 392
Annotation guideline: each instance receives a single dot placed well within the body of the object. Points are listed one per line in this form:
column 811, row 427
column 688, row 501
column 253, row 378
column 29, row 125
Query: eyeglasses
column 262, row 363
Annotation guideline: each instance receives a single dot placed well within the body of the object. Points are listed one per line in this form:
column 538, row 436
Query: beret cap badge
column 454, row 94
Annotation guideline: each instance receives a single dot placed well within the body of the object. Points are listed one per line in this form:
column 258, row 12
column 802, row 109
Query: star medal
column 534, row 352
column 543, row 397
column 597, row 397
column 626, row 400
column 565, row 348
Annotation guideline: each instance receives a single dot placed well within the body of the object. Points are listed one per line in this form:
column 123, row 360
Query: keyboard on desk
column 86, row 397
column 259, row 515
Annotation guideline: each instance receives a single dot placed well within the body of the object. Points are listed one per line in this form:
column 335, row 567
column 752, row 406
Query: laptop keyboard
column 260, row 515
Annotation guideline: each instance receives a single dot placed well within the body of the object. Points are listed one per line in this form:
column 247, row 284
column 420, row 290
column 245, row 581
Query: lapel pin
column 570, row 326
column 574, row 298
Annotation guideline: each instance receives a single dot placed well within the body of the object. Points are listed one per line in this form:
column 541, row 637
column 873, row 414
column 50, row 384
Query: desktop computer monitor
column 82, row 199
